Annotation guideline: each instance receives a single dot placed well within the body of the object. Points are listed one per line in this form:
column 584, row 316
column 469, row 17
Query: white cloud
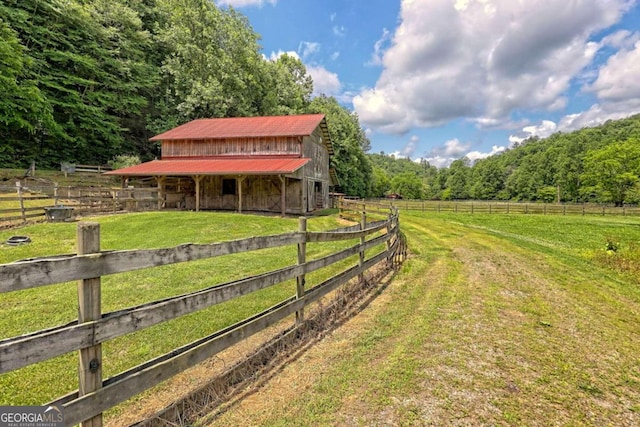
column 618, row 79
column 308, row 48
column 245, row 3
column 339, row 30
column 409, row 149
column 378, row 48
column 477, row 155
column 443, row 156
column 324, row 81
column 483, row 59
column 278, row 54
column 543, row 130
column 452, row 148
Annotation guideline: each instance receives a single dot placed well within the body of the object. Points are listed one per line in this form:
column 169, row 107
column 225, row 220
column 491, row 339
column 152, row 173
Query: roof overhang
column 251, row 166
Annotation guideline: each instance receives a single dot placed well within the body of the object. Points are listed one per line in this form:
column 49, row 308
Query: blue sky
column 443, row 79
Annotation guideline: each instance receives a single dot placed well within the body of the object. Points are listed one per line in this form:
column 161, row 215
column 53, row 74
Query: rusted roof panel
column 239, row 166
column 240, row 127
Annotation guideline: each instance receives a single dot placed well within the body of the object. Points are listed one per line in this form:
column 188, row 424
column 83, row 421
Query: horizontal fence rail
column 23, row 202
column 95, row 395
column 491, row 207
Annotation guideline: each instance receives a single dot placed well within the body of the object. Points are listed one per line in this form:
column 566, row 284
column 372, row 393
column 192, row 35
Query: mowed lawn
column 34, row 309
column 508, row 320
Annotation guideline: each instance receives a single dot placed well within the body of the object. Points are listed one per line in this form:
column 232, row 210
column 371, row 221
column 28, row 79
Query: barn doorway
column 318, row 196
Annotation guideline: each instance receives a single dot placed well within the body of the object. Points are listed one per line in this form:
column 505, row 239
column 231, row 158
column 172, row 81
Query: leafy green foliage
column 611, row 172
column 350, row 161
column 600, row 164
column 83, row 81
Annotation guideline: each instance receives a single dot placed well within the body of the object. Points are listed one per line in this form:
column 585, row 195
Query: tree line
column 88, row 81
column 599, row 164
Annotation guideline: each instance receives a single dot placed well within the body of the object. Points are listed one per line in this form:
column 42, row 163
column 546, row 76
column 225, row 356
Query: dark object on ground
column 18, row 240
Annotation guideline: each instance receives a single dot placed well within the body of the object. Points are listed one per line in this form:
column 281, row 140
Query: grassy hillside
column 494, row 320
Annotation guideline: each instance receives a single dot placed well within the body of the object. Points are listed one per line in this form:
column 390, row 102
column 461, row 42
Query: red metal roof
column 218, row 166
column 238, row 127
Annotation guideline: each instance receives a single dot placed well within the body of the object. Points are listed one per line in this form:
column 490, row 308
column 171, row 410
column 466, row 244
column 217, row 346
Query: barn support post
column 240, row 180
column 197, row 179
column 302, row 258
column 283, row 194
column 160, row 180
column 89, row 309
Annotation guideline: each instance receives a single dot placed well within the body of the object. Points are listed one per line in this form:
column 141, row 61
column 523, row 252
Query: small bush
column 124, row 161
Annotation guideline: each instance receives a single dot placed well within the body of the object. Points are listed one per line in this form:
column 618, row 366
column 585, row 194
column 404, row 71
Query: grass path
column 479, row 328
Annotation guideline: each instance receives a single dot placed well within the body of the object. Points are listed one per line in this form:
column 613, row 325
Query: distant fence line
column 493, row 207
column 21, row 203
column 382, row 239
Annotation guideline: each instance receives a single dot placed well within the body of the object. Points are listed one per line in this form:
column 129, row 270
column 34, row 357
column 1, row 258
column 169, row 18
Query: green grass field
column 503, row 320
column 35, row 309
column 493, row 320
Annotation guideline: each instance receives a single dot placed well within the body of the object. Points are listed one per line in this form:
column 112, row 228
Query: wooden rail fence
column 21, row 203
column 382, row 238
column 493, row 207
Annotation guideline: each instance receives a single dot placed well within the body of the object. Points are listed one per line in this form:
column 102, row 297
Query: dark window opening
column 228, row 187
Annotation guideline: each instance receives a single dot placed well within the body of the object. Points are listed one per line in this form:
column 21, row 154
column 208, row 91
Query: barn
column 267, row 164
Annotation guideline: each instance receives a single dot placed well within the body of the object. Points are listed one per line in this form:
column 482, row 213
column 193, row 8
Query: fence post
column 302, row 258
column 89, row 309
column 55, row 193
column 21, row 199
column 363, row 225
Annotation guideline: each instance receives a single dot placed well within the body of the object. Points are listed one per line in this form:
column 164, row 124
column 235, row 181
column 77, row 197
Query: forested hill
column 599, row 164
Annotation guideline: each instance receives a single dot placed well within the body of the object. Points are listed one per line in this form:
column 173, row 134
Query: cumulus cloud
column 543, row 130
column 483, row 59
column 324, row 81
column 616, row 86
column 452, row 148
column 477, row 155
column 618, row 78
column 245, row 3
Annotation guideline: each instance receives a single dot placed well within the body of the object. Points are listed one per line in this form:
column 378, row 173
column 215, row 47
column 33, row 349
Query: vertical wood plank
column 302, row 258
column 363, row 225
column 283, row 194
column 89, row 309
column 22, row 211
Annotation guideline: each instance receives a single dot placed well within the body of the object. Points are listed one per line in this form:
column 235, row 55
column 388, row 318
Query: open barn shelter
column 269, row 164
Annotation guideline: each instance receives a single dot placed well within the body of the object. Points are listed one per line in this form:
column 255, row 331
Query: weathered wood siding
column 316, row 172
column 259, row 193
column 306, row 190
column 273, row 146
